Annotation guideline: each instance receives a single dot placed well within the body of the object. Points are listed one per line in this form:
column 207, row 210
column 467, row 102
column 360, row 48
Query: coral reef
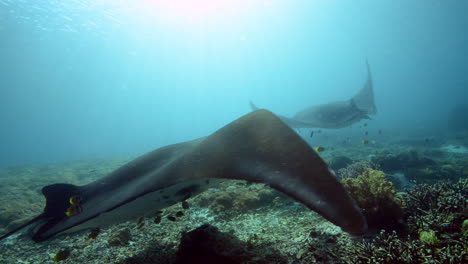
column 400, row 181
column 401, row 162
column 390, row 248
column 464, row 228
column 238, row 198
column 320, row 248
column 355, row 169
column 435, row 215
column 376, row 197
column 441, row 207
column 428, row 237
column 432, row 174
column 257, row 225
column 339, row 162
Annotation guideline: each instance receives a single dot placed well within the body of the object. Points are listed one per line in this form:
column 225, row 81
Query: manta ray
column 337, row 114
column 257, row 147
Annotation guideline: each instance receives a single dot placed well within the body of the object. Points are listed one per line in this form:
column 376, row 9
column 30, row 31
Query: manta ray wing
column 258, row 147
column 337, row 114
column 364, row 99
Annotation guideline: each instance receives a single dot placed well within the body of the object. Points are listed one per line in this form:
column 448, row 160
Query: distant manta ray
column 257, row 147
column 337, row 114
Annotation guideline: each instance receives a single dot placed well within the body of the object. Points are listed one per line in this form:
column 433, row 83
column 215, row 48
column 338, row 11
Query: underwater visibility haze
column 103, row 78
column 375, row 91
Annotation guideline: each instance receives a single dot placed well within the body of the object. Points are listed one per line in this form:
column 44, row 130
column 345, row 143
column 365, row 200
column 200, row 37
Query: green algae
column 428, row 237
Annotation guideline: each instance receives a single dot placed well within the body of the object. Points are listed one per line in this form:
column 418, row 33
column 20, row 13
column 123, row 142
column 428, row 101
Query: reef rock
column 120, row 237
column 207, row 245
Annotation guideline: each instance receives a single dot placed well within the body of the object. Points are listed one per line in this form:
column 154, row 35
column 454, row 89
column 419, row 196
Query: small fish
column 179, row 214
column 157, row 219
column 74, row 200
column 311, row 133
column 319, row 149
column 380, row 132
column 75, row 208
column 365, row 142
column 366, row 133
column 94, row 233
column 62, row 255
column 365, row 124
column 319, row 131
column 171, row 218
column 185, row 205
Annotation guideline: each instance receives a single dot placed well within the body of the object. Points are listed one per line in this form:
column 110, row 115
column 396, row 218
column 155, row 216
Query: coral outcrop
column 376, row 197
column 355, row 169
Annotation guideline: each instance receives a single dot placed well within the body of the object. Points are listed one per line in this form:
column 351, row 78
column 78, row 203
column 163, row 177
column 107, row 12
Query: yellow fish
column 74, row 200
column 365, row 142
column 73, row 210
column 319, row 149
column 75, row 207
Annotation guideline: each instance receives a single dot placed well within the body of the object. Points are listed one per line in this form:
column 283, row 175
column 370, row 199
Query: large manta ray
column 257, row 147
column 337, row 114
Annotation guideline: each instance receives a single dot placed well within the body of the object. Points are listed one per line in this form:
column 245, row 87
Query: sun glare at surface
column 145, row 17
column 189, row 12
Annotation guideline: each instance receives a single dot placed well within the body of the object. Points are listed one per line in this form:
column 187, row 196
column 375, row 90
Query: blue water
column 84, row 79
